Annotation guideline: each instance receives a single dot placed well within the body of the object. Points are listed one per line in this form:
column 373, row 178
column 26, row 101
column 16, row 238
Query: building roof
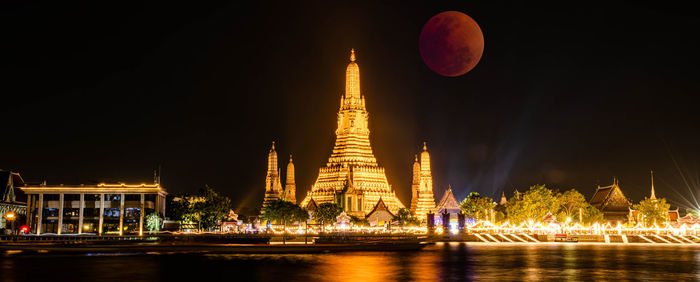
column 673, row 215
column 549, row 217
column 689, row 219
column 448, row 202
column 311, row 206
column 610, row 199
column 98, row 188
column 380, row 207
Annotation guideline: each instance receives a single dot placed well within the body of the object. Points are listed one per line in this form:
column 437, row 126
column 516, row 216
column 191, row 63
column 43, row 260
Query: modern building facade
column 352, row 178
column 94, row 209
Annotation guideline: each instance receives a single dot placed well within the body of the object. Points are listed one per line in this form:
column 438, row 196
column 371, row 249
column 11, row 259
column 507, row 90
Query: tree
column 212, row 209
column 358, row 221
column 405, row 218
column 327, row 213
column 533, row 205
column 477, row 207
column 177, row 208
column 571, row 204
column 591, row 214
column 652, row 211
column 154, row 222
column 284, row 212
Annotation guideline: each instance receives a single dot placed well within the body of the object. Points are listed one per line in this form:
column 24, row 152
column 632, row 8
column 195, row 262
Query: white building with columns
column 118, row 209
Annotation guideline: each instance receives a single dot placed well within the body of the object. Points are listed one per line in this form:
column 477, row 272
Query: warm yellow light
column 10, row 216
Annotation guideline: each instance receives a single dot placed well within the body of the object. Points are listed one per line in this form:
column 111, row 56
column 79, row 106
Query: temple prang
column 352, row 178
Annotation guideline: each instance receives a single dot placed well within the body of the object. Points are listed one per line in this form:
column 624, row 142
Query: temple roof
column 311, row 206
column 689, row 219
column 380, row 207
column 610, row 198
column 549, row 217
column 673, row 215
column 448, row 201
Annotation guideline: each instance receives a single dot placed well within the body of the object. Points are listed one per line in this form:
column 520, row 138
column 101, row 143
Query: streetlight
column 11, row 216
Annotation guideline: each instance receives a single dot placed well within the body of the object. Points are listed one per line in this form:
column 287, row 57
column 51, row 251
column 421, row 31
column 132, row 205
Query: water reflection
column 448, row 261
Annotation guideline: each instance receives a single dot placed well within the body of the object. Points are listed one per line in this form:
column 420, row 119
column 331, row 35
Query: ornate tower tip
column 273, row 145
column 416, row 158
column 352, row 55
column 425, row 148
column 290, row 158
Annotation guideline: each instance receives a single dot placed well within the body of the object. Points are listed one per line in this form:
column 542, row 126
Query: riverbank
column 211, row 248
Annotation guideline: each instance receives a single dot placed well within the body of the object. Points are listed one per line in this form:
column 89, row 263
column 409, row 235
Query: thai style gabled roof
column 448, row 201
column 689, row 219
column 311, row 206
column 549, row 218
column 673, row 215
column 610, row 198
column 380, row 207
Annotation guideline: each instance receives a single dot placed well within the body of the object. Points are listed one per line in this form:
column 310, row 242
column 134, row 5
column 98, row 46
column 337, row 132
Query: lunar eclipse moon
column 451, row 43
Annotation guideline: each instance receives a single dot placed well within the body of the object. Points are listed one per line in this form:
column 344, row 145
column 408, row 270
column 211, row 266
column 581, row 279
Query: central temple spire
column 352, row 79
column 352, row 178
column 352, row 136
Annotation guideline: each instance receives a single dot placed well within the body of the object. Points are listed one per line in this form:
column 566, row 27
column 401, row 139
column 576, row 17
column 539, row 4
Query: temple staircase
column 530, row 238
column 662, row 239
column 505, row 238
column 646, row 239
column 481, row 238
column 518, row 238
column 686, row 239
column 675, row 239
column 492, row 238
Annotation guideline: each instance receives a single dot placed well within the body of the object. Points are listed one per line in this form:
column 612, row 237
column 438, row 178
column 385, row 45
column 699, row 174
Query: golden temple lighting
column 422, row 201
column 352, row 177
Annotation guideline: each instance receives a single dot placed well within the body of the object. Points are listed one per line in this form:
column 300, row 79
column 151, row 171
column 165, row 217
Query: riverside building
column 92, row 209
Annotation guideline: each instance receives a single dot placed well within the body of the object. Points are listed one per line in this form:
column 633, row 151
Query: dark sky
column 567, row 96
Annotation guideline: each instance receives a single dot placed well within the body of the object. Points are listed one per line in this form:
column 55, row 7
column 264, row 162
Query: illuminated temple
column 352, row 178
column 273, row 185
column 422, row 199
column 611, row 202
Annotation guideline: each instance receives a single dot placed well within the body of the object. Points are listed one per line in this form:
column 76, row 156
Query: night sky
column 564, row 96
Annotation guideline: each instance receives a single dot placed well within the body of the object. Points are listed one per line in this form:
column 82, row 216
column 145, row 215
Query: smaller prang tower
column 273, row 186
column 423, row 200
column 290, row 187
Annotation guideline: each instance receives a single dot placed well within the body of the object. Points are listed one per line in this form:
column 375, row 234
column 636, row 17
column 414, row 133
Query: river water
column 442, row 261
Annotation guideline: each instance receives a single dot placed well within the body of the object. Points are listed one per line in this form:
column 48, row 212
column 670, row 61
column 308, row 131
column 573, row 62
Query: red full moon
column 451, row 43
